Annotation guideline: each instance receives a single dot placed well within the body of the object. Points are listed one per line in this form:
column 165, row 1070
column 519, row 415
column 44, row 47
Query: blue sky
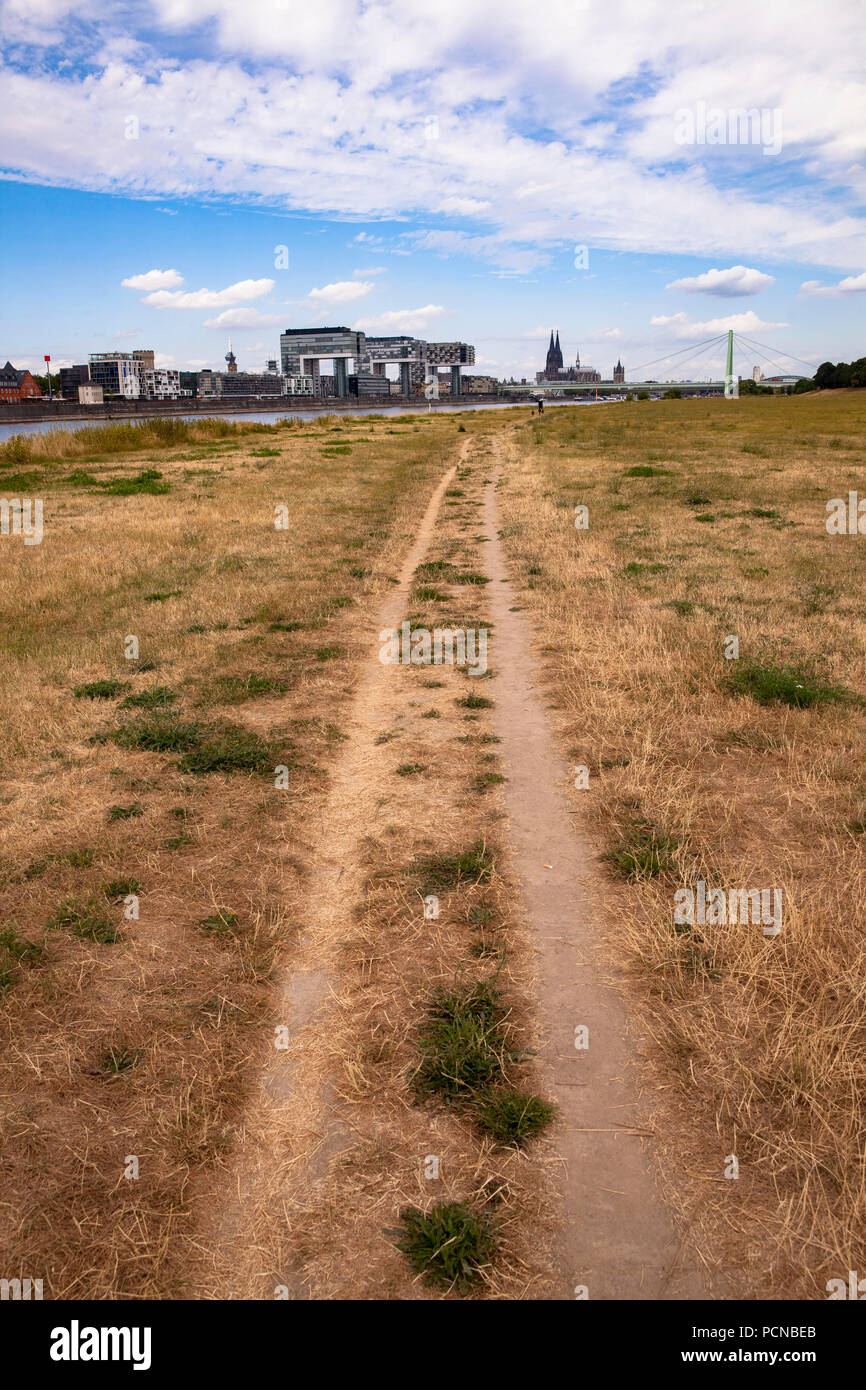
column 433, row 170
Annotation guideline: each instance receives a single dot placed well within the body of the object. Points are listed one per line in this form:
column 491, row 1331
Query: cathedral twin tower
column 553, row 367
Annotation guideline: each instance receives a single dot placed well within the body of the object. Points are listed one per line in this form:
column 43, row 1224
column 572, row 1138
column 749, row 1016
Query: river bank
column 260, row 415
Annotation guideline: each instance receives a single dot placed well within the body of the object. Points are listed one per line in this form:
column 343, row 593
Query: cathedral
column 555, row 371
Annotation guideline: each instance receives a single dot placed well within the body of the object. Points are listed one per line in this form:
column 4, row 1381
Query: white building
column 89, row 394
column 161, row 384
column 118, row 373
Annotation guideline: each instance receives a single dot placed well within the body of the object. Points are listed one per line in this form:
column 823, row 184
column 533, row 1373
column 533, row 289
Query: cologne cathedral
column 555, row 371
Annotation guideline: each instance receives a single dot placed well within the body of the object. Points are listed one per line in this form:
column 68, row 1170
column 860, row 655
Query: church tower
column 558, row 353
column 619, row 371
column 551, row 366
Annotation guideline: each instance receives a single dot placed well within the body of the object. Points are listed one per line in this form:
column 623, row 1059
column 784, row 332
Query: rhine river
column 271, row 417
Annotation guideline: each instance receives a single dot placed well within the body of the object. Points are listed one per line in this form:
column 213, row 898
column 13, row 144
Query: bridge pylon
column 732, row 385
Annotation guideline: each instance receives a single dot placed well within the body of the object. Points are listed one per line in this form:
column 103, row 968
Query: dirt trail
column 295, row 1123
column 616, row 1238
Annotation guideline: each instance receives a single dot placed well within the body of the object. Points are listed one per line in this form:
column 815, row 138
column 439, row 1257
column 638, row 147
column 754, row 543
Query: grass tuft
column 643, row 851
column 513, row 1117
column 85, row 920
column 450, row 1245
column 461, row 1043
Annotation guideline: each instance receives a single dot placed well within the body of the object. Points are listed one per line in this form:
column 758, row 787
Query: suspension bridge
column 727, row 385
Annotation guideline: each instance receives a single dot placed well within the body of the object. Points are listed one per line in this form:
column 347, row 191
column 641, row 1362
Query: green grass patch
column 425, row 593
column 435, row 569
column 149, row 481
column 155, row 698
column 118, row 888
column 88, row 921
column 473, row 701
column 229, row 748
column 126, row 812
column 643, row 851
column 461, row 1046
column 222, row 923
column 638, row 567
column 446, row 871
column 160, row 733
column 16, row 950
column 512, row 1116
column 484, row 780
column 233, row 690
column 797, row 685
column 100, row 690
column 449, row 1245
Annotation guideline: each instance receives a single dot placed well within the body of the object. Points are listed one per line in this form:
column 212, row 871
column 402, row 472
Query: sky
column 184, row 172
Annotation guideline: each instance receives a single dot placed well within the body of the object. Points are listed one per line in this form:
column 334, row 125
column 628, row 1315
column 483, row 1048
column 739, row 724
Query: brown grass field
column 757, row 1045
column 147, row 786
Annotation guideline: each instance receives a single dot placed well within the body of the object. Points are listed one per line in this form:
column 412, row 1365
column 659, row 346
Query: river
column 271, row 417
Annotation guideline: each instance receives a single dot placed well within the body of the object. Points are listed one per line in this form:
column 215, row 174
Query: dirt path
column 296, row 1169
column 295, row 1122
column 616, row 1238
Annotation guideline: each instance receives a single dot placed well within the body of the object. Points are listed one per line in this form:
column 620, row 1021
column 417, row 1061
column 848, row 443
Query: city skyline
column 175, row 181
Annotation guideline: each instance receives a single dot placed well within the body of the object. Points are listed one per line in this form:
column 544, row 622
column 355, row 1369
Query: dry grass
column 142, row 1046
column 758, row 1042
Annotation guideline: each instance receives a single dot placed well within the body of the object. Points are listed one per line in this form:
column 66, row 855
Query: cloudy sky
column 185, row 171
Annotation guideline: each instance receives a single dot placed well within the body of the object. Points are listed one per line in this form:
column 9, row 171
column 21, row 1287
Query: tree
column 42, row 382
column 673, row 394
column 643, row 395
column 858, row 372
column 825, row 376
column 804, row 384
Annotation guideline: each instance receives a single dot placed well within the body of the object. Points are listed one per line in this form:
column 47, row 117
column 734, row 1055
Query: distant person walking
column 540, row 406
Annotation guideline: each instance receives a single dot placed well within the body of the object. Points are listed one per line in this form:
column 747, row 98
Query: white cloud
column 371, row 270
column 401, row 320
column 543, row 125
column 332, row 104
column 243, row 318
column 341, row 292
column 737, row 280
column 852, row 284
column 153, row 280
column 464, row 207
column 684, row 327
column 209, row 299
